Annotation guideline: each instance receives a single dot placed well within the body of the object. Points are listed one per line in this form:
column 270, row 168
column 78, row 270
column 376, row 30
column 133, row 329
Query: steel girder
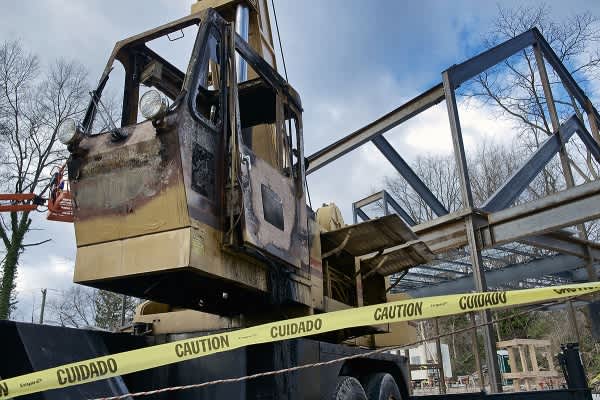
column 553, row 212
column 409, row 175
column 387, row 200
column 512, row 272
column 519, row 181
column 378, row 127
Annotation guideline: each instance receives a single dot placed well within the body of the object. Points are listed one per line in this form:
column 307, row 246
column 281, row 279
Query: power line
column 279, row 39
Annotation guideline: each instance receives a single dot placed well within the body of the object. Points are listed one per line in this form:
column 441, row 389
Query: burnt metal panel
column 127, row 188
column 369, row 236
column 404, row 257
column 203, row 171
column 202, row 155
column 272, row 207
column 274, row 215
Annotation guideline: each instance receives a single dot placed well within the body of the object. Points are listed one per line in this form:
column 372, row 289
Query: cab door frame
column 274, row 217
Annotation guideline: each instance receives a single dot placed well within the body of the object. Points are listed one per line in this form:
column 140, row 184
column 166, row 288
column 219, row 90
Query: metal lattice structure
column 499, row 245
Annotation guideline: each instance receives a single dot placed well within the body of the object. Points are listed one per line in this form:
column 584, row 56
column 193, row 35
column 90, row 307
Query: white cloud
column 52, row 272
column 348, row 72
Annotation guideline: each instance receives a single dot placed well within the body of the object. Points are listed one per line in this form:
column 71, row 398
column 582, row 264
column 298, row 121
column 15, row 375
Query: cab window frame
column 194, row 85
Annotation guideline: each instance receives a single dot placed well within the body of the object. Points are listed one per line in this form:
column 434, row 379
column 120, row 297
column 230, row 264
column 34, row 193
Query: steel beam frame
column 387, row 200
column 551, row 213
column 376, row 128
column 567, row 80
column 513, row 272
column 460, row 73
column 521, row 179
column 442, row 270
column 489, row 341
column 565, row 244
column 409, row 175
column 532, row 223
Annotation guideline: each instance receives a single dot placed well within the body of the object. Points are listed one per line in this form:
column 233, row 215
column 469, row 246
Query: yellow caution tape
column 155, row 356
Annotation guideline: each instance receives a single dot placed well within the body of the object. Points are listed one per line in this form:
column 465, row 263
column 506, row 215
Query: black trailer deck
column 32, row 347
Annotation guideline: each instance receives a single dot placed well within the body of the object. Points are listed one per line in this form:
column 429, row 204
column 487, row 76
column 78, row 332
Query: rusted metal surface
column 161, row 186
column 127, row 188
column 368, row 237
column 396, row 259
column 275, row 219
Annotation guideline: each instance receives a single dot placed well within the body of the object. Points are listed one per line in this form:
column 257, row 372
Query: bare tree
column 489, row 167
column 439, row 174
column 114, row 310
column 33, row 103
column 81, row 307
column 75, row 308
column 514, row 89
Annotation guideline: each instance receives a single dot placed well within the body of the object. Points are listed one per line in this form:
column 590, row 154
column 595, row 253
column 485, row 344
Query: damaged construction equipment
column 196, row 202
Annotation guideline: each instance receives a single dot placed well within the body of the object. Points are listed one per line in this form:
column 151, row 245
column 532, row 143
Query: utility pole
column 44, row 291
column 123, row 310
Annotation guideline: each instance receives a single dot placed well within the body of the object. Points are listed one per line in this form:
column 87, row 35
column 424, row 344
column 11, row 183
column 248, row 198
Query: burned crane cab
column 197, row 200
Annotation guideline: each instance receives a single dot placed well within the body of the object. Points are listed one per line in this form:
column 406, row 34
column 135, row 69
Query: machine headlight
column 153, row 105
column 67, row 131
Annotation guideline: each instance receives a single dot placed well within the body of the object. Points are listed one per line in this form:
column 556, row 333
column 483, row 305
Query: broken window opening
column 148, row 62
column 208, row 99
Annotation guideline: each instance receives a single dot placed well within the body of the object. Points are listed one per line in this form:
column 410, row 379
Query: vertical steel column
column 589, row 109
column 475, row 350
column 475, row 252
column 440, row 359
column 573, row 320
column 386, row 209
column 564, row 157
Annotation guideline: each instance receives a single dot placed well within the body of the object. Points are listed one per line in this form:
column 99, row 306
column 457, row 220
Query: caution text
column 295, row 328
column 202, row 345
column 573, row 290
column 473, row 301
column 82, row 372
column 412, row 309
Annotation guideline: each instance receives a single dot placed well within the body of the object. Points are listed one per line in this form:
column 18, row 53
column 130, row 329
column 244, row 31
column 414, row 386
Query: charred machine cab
column 196, row 198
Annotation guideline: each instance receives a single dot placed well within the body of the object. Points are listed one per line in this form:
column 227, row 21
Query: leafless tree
column 33, row 103
column 514, row 89
column 81, row 307
column 75, row 308
column 489, row 167
column 439, row 174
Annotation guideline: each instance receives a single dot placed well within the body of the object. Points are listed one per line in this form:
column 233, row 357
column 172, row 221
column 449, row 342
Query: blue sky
column 351, row 61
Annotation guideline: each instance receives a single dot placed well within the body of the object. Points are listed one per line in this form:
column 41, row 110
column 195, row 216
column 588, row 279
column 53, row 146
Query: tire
column 381, row 386
column 348, row 388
